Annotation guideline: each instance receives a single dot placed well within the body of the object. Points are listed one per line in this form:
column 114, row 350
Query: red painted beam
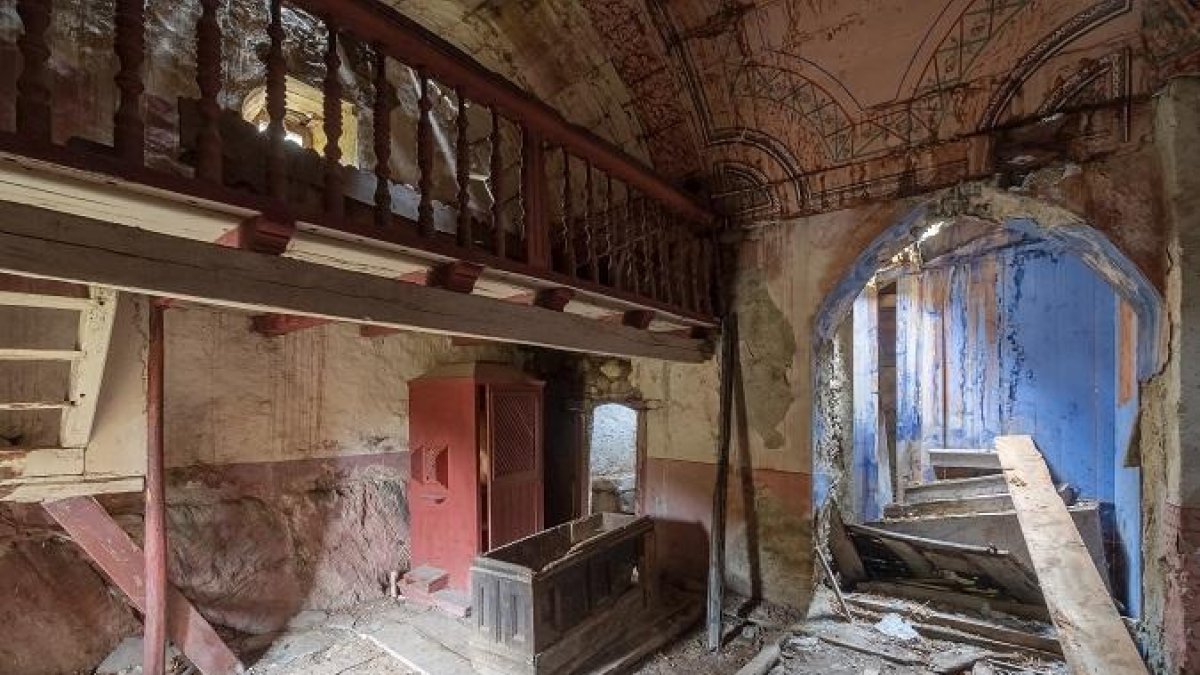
column 90, row 526
column 261, row 234
column 275, row 325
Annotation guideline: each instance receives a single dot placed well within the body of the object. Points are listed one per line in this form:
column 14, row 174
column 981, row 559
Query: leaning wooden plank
column 49, row 488
column 95, row 330
column 90, row 526
column 948, row 598
column 1094, row 639
column 24, row 463
column 36, row 242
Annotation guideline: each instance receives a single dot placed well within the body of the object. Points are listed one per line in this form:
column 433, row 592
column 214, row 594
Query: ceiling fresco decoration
column 780, row 108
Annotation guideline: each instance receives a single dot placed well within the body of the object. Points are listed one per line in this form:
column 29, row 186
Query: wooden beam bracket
column 458, row 276
column 555, row 299
column 638, row 318
column 261, row 234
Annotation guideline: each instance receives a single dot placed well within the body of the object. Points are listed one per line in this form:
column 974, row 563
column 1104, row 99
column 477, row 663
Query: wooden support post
column 716, row 553
column 94, row 531
column 534, row 198
column 154, row 643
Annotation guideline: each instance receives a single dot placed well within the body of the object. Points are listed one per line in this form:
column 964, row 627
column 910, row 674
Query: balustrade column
column 533, row 198
column 335, row 202
column 34, row 116
column 466, row 237
column 496, row 177
column 382, row 128
column 209, row 164
column 568, row 210
column 276, row 105
column 425, row 223
column 129, row 42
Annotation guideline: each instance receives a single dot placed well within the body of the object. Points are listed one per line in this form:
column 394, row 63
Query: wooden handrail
column 409, row 42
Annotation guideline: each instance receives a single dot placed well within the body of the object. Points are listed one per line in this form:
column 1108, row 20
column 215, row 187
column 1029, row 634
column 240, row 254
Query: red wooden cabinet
column 475, row 437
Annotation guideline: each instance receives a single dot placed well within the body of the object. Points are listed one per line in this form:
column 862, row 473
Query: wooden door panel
column 515, row 462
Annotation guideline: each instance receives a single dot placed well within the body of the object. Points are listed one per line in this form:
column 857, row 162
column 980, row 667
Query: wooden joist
column 1093, row 637
column 114, row 552
column 36, row 242
column 35, row 405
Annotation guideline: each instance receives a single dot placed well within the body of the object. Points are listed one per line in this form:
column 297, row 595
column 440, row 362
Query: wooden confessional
column 475, row 434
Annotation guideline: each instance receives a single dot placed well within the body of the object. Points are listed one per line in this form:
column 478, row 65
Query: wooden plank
column 121, row 560
column 10, row 299
column 24, row 463
column 949, row 598
column 63, row 487
column 17, row 354
column 966, row 624
column 95, row 331
column 35, row 242
column 1094, row 639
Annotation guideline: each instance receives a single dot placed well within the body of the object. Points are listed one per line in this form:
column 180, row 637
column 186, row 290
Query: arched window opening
column 613, row 459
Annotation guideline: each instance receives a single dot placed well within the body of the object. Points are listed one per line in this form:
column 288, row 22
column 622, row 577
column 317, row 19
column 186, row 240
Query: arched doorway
column 953, row 328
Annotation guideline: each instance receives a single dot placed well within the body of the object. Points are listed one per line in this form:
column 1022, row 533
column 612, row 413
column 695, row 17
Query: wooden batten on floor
column 36, row 242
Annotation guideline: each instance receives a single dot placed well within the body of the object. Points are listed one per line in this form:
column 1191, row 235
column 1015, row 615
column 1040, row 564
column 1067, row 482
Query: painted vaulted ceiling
column 785, row 107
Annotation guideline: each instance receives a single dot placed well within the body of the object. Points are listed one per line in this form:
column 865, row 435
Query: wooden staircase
column 33, row 470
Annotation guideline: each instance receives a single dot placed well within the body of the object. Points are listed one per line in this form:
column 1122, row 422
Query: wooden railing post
column 381, row 125
column 276, row 104
column 129, row 125
column 209, row 165
column 496, row 178
column 335, row 202
column 425, row 223
column 34, row 118
column 462, row 147
column 534, row 191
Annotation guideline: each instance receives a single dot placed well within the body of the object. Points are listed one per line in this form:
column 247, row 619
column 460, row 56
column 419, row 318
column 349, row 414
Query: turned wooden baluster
column 33, row 86
column 496, row 172
column 335, row 202
column 589, row 226
column 679, row 265
column 665, row 285
column 208, row 77
column 610, row 234
column 629, row 253
column 568, row 211
column 129, row 42
column 382, row 127
column 466, row 237
column 534, row 197
column 276, row 104
column 706, row 276
column 696, row 258
column 425, row 157
column 648, row 285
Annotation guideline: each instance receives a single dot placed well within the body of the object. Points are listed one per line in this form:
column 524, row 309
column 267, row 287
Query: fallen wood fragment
column 948, row 598
column 833, row 583
column 763, row 662
column 983, row 629
column 1093, row 637
column 886, row 652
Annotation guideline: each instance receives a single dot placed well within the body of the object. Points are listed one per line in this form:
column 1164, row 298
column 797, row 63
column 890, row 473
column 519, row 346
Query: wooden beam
column 121, row 560
column 1093, row 636
column 37, row 242
column 275, row 325
column 87, row 372
column 154, row 641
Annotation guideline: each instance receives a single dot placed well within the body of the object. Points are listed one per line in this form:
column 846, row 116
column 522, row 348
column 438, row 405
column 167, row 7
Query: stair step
column 935, row 508
column 455, row 603
column 9, row 354
column 35, row 405
column 956, row 488
column 425, row 580
column 951, row 458
column 12, row 299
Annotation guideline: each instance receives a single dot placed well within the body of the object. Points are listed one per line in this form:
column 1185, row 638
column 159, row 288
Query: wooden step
column 956, row 488
column 16, row 354
column 11, row 299
column 952, row 458
column 936, row 508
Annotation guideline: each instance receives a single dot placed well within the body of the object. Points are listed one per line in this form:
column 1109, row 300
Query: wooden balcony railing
column 558, row 204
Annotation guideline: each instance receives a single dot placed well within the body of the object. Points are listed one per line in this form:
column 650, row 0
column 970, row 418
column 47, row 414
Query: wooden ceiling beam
column 66, row 247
